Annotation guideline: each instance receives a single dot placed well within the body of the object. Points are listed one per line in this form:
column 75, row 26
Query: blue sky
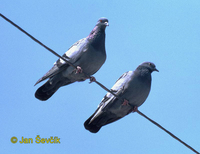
column 164, row 32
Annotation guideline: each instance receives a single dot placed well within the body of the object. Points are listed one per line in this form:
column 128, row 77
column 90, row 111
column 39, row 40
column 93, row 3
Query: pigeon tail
column 48, row 89
column 91, row 127
column 43, row 93
column 94, row 124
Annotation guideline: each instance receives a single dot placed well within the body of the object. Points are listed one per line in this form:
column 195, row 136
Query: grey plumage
column 133, row 86
column 88, row 53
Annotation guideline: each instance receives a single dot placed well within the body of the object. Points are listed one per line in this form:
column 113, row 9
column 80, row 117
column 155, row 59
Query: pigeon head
column 102, row 22
column 148, row 66
column 97, row 35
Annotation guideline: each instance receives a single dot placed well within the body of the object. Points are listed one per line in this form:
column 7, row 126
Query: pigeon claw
column 92, row 79
column 125, row 102
column 79, row 70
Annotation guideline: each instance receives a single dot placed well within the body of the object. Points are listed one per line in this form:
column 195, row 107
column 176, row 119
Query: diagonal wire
column 168, row 132
column 33, row 38
column 101, row 85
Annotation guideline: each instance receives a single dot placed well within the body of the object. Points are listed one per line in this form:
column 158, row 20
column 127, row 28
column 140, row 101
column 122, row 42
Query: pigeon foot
column 92, row 79
column 79, row 70
column 125, row 103
column 135, row 109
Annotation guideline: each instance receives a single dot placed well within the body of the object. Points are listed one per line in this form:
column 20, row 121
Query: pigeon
column 87, row 54
column 132, row 87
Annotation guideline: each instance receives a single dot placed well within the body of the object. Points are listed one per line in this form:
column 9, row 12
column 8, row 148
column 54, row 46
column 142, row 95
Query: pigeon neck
column 144, row 74
column 97, row 38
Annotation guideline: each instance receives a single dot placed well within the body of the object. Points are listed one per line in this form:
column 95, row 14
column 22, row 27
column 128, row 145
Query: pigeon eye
column 149, row 64
column 100, row 20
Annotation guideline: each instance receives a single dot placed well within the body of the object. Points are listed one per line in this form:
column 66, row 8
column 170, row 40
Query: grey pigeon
column 88, row 54
column 133, row 87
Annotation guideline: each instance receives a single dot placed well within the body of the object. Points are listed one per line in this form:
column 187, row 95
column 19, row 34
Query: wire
column 33, row 38
column 101, row 85
column 168, row 132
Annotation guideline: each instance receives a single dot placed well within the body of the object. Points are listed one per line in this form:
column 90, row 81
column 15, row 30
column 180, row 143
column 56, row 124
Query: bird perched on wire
column 132, row 87
column 87, row 54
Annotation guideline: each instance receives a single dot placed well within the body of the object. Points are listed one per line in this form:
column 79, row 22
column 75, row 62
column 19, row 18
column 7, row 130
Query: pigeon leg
column 78, row 70
column 92, row 79
column 125, row 102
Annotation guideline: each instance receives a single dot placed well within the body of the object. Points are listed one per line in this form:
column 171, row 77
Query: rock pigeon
column 88, row 54
column 133, row 87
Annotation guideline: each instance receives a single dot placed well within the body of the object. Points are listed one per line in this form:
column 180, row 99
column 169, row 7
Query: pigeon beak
column 106, row 23
column 156, row 70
